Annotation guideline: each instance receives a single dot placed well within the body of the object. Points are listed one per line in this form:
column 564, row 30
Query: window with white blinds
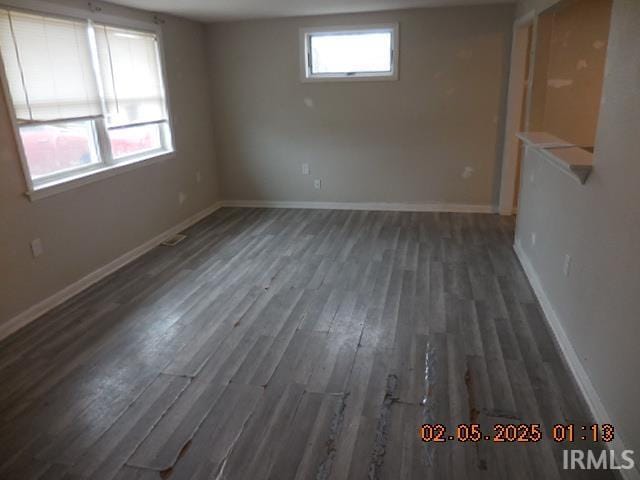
column 86, row 96
column 48, row 66
column 133, row 91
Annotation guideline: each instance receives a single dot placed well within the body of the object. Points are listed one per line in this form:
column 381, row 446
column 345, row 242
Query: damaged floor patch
column 382, row 429
column 324, row 469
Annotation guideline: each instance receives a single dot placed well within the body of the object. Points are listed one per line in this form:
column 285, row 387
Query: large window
column 350, row 53
column 87, row 97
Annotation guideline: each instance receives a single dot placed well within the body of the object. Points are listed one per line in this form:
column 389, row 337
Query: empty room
column 318, row 240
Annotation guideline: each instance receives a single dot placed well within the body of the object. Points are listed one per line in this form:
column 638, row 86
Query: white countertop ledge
column 542, row 140
column 568, row 157
column 573, row 160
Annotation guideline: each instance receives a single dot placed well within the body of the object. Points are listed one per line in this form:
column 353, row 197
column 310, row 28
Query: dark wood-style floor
column 289, row 344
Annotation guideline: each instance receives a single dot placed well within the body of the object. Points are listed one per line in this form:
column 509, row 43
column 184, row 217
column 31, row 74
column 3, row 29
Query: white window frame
column 62, row 181
column 306, row 33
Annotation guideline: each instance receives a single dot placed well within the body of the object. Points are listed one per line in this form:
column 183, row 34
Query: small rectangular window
column 350, row 53
column 86, row 96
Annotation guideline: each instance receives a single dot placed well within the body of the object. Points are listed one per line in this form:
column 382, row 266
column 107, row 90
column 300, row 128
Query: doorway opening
column 555, row 86
column 517, row 112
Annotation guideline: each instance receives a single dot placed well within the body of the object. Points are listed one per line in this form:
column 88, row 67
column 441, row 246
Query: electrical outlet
column 533, row 239
column 317, row 184
column 37, row 248
column 305, row 169
column 182, row 197
column 566, row 268
column 198, row 177
column 532, row 178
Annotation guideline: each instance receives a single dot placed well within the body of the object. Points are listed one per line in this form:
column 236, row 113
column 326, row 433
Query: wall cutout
column 570, row 55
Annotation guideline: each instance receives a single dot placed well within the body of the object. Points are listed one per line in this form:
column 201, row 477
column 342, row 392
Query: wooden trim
column 526, row 19
column 514, row 112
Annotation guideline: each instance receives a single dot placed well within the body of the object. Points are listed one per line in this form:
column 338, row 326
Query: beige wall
column 392, row 141
column 599, row 225
column 88, row 227
column 571, row 51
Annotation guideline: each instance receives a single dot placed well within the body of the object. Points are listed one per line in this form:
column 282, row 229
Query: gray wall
column 90, row 226
column 403, row 141
column 599, row 225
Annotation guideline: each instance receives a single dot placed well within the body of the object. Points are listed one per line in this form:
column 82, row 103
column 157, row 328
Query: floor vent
column 173, row 241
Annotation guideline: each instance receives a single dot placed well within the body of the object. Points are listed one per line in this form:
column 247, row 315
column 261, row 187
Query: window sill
column 69, row 183
column 350, row 78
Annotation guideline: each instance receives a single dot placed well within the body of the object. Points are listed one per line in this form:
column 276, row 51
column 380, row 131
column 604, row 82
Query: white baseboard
column 508, row 211
column 376, row 206
column 594, row 402
column 29, row 315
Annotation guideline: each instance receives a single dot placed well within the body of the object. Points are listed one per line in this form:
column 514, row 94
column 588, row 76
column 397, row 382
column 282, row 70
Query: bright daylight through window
column 86, row 96
column 349, row 53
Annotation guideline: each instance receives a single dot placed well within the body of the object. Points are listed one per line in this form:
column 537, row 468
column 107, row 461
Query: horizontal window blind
column 48, row 66
column 131, row 77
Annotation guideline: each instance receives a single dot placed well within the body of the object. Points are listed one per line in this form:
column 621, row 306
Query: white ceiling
column 213, row 10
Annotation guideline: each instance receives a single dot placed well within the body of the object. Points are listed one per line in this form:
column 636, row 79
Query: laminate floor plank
column 105, row 457
column 160, row 449
column 294, row 344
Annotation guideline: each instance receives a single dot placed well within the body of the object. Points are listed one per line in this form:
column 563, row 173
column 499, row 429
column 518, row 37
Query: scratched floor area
column 293, row 344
